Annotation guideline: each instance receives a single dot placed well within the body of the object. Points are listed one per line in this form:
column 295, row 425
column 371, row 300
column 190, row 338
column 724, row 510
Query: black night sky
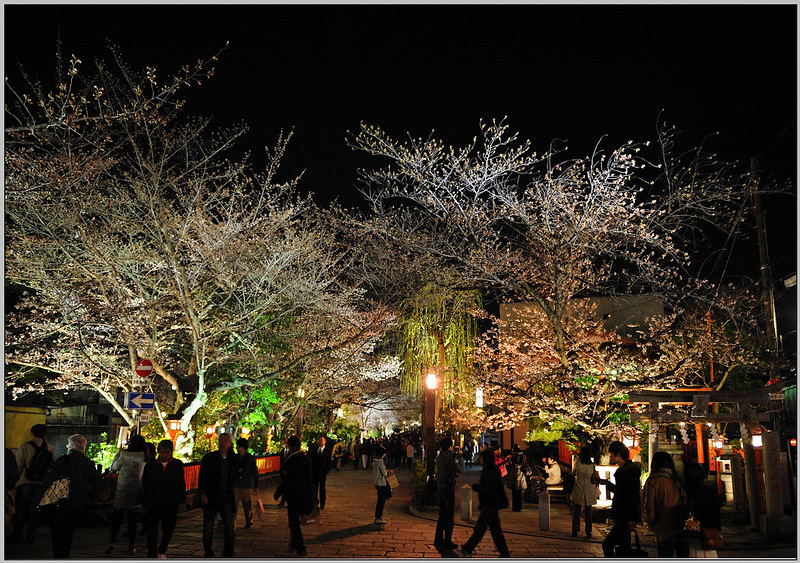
column 572, row 72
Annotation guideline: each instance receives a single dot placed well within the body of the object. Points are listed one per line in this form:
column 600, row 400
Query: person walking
column 664, row 507
column 469, row 452
column 704, row 506
column 446, row 473
column 296, row 488
column 626, row 504
column 380, row 473
column 517, row 478
column 215, row 486
column 356, row 453
column 338, row 454
column 491, row 494
column 246, row 483
column 409, row 454
column 320, row 465
column 584, row 492
column 84, row 487
column 129, row 464
column 163, row 491
column 34, row 458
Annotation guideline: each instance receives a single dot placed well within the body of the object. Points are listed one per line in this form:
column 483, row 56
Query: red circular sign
column 144, row 367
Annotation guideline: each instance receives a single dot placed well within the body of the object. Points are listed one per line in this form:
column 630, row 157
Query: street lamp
column 479, row 397
column 430, row 431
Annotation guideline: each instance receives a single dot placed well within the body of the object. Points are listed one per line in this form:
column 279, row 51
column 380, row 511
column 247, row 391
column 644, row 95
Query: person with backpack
column 34, row 458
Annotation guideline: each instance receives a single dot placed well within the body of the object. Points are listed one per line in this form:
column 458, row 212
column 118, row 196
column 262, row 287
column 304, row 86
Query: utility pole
column 767, row 295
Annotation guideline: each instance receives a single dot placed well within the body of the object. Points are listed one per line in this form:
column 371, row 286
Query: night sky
column 572, row 72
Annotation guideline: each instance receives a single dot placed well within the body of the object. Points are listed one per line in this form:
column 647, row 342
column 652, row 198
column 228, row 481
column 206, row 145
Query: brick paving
column 345, row 531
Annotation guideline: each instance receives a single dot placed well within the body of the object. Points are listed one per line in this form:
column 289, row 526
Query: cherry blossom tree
column 138, row 236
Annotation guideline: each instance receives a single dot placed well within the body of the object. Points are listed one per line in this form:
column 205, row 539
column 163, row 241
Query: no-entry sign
column 144, row 367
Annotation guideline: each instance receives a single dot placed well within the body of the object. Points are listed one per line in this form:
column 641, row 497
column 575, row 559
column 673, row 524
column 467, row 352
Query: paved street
column 345, row 530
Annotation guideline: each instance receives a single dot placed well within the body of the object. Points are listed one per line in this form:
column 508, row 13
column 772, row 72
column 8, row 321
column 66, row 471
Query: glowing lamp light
column 756, row 440
column 245, row 431
column 301, row 392
column 718, row 444
column 793, row 442
column 209, row 430
column 479, row 397
column 431, row 381
column 174, row 425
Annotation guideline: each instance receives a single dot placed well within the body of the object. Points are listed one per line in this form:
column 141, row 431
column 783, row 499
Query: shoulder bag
column 56, row 497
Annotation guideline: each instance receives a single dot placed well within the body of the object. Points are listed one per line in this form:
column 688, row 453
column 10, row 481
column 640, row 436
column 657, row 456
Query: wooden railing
column 265, row 464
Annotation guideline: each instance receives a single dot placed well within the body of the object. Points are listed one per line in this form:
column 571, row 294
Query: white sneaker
column 379, row 521
column 162, row 555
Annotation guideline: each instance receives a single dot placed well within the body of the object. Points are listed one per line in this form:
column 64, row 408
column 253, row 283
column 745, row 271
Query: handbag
column 259, row 506
column 712, row 538
column 389, row 492
column 630, row 551
column 56, row 497
column 392, row 481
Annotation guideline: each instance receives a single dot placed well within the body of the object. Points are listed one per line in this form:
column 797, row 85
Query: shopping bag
column 392, row 481
column 259, row 506
column 712, row 538
column 56, row 497
column 631, row 551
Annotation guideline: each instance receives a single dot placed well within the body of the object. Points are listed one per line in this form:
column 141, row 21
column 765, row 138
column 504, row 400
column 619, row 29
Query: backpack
column 40, row 464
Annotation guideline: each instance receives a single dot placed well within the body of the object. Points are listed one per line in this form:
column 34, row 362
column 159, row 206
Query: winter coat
column 129, row 466
column 583, row 491
column 446, row 472
column 164, row 488
column 626, row 505
column 489, row 488
column 85, row 482
column 664, row 504
column 516, row 478
column 216, row 478
column 705, row 505
column 246, row 472
column 379, row 473
column 296, row 485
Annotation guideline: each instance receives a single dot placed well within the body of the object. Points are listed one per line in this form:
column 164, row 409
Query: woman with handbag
column 705, row 508
column 380, row 473
column 492, row 498
column 664, row 507
column 584, row 492
column 83, row 486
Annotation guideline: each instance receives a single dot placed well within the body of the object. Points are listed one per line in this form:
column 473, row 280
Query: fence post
column 544, row 510
column 466, row 503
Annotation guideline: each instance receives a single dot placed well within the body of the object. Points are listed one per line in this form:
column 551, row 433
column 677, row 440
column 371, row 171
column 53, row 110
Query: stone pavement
column 345, row 531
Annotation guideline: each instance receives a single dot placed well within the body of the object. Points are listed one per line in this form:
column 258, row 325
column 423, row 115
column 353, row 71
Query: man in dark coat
column 215, row 485
column 626, row 505
column 446, row 473
column 164, row 490
column 296, row 488
column 320, row 465
column 85, row 485
column 490, row 490
column 246, row 483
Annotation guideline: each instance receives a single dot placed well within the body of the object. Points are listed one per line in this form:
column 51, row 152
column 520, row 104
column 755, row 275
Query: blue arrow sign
column 140, row 401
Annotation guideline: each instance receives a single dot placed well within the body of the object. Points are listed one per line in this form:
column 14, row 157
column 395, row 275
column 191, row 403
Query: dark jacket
column 210, row 478
column 704, row 504
column 164, row 488
column 489, row 488
column 626, row 506
column 246, row 472
column 446, row 472
column 296, row 485
column 85, row 483
column 320, row 462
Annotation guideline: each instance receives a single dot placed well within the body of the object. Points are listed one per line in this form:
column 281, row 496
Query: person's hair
column 242, row 443
column 585, row 455
column 293, row 442
column 323, row 437
column 38, row 430
column 151, row 450
column 137, row 443
column 620, row 449
column 662, row 460
column 694, row 474
column 76, row 442
column 487, row 458
column 165, row 445
column 446, row 443
column 516, row 448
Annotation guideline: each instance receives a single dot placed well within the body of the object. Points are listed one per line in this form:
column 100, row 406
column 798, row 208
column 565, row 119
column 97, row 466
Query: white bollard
column 466, row 503
column 544, row 510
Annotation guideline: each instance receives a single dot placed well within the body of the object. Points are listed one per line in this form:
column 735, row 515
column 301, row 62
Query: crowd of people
column 150, row 482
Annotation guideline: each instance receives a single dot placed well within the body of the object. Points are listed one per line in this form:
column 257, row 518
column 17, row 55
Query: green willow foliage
column 437, row 330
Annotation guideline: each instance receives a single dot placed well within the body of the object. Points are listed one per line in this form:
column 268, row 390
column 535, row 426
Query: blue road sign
column 140, row 401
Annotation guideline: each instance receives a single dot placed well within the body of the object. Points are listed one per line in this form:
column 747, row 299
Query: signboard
column 140, row 401
column 144, row 418
column 144, row 367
